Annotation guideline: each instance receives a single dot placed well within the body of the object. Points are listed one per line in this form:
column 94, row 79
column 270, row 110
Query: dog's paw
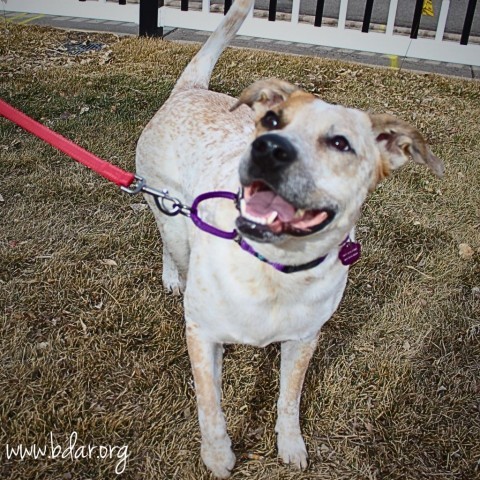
column 172, row 283
column 174, row 289
column 291, row 449
column 218, row 458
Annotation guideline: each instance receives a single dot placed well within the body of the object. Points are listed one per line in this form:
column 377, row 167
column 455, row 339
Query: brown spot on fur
column 295, row 374
column 262, row 285
column 265, row 94
column 207, row 398
column 383, row 171
column 285, row 110
column 298, row 98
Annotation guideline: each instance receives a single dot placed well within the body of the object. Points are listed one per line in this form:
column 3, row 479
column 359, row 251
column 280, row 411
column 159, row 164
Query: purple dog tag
column 349, row 253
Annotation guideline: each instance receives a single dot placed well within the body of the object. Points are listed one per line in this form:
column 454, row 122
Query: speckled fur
column 196, row 144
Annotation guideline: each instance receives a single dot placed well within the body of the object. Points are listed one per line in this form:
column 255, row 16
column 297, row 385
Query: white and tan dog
column 306, row 168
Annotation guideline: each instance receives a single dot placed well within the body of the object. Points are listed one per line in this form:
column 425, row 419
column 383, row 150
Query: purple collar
column 349, row 253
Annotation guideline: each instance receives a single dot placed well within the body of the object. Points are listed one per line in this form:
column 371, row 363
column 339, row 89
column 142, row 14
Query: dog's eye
column 271, row 120
column 340, row 143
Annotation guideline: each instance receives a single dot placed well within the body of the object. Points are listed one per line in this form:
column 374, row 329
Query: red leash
column 128, row 182
column 107, row 170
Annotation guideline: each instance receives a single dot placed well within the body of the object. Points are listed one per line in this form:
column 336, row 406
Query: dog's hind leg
column 295, row 357
column 175, row 256
column 175, row 249
column 172, row 280
column 206, row 360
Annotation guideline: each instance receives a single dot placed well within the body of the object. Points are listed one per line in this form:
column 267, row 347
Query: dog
column 305, row 167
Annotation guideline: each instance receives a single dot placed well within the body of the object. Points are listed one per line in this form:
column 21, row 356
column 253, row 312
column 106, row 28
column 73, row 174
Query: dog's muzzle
column 269, row 206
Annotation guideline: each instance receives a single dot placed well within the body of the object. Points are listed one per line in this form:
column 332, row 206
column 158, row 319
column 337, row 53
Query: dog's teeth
column 260, row 221
column 271, row 218
column 299, row 213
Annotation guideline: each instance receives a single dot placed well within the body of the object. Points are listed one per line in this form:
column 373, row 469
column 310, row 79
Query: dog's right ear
column 397, row 141
column 261, row 96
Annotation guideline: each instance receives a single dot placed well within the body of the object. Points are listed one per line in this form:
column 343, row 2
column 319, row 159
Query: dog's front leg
column 206, row 360
column 295, row 358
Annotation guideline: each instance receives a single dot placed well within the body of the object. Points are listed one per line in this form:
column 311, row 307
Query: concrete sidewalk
column 182, row 35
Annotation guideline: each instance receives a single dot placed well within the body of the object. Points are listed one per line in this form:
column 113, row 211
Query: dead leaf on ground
column 138, row 207
column 109, row 262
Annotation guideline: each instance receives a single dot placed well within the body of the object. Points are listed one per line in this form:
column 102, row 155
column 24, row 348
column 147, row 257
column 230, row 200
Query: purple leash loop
column 206, row 227
column 172, row 206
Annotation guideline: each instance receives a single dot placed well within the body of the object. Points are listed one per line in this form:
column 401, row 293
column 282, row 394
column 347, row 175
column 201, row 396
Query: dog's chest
column 246, row 302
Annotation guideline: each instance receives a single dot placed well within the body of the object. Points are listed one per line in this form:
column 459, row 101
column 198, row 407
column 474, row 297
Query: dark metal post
column 319, row 13
column 417, row 16
column 228, row 4
column 122, row 2
column 467, row 25
column 184, row 5
column 148, row 22
column 367, row 16
column 272, row 10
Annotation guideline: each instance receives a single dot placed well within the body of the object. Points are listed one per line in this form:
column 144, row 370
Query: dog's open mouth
column 263, row 210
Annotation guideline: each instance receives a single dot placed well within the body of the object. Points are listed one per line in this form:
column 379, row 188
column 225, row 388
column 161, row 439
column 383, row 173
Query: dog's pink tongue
column 262, row 204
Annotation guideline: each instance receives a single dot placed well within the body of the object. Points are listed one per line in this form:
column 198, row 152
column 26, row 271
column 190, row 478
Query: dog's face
column 312, row 164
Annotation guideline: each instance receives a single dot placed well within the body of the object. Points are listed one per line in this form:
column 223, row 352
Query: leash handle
column 107, row 170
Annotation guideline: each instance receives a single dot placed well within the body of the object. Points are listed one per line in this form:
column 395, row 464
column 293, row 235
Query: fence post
column 319, row 13
column 367, row 17
column 148, row 22
column 467, row 25
column 417, row 16
column 272, row 11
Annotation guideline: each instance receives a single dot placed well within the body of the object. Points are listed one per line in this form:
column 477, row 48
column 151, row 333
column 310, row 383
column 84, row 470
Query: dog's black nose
column 272, row 152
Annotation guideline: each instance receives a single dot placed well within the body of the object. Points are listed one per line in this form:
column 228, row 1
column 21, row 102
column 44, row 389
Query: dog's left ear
column 261, row 96
column 397, row 141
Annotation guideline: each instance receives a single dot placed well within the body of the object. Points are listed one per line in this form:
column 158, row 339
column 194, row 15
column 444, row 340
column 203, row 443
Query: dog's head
column 312, row 164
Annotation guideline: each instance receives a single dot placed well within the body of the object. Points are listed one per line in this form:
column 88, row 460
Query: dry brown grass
column 97, row 347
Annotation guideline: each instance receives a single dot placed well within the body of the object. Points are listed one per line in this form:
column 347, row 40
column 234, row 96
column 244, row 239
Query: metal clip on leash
column 167, row 204
column 172, row 206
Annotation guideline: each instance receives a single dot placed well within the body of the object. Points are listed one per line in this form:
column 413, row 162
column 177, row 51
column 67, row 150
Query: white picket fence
column 292, row 28
column 98, row 9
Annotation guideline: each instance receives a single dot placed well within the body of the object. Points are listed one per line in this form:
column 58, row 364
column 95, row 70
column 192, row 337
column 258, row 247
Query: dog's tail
column 199, row 70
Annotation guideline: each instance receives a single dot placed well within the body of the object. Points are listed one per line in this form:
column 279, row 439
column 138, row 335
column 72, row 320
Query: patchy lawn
column 90, row 344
